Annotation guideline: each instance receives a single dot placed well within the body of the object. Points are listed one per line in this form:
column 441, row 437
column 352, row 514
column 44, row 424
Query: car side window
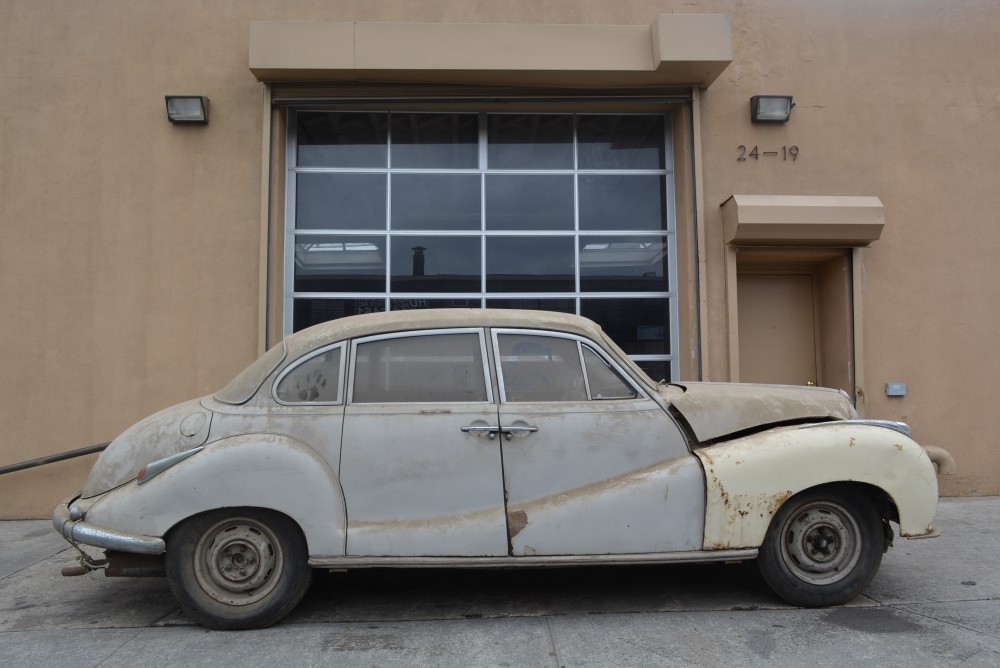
column 603, row 381
column 541, row 368
column 314, row 381
column 440, row 367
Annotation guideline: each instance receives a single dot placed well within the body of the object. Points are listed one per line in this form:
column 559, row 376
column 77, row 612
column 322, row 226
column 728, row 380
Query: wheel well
column 883, row 502
column 234, row 510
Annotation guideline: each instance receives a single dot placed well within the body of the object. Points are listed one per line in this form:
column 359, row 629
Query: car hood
column 166, row 433
column 714, row 410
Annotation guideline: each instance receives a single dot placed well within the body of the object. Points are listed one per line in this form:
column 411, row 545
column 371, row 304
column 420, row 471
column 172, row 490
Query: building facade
column 585, row 156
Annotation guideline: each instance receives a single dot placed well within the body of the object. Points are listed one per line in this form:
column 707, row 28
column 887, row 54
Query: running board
column 699, row 556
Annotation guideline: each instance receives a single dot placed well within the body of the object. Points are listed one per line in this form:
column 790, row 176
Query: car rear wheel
column 238, row 568
column 822, row 548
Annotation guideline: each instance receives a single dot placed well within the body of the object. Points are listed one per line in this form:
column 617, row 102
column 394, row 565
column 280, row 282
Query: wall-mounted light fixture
column 770, row 108
column 187, row 109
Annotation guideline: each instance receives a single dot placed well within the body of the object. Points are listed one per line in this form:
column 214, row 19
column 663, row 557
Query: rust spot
column 852, row 443
column 899, row 446
column 516, row 520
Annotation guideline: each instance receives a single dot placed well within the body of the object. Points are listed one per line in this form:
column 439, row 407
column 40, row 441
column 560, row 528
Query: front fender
column 748, row 479
column 257, row 470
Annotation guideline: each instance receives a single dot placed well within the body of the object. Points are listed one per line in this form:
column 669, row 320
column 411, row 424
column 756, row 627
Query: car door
column 418, row 477
column 592, row 465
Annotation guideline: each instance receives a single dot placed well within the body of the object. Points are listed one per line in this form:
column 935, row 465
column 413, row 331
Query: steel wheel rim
column 238, row 561
column 821, row 543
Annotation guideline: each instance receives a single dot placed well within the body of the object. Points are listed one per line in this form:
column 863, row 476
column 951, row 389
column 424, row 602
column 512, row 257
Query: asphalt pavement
column 935, row 602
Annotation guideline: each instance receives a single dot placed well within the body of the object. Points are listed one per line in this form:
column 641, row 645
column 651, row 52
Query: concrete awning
column 802, row 220
column 676, row 49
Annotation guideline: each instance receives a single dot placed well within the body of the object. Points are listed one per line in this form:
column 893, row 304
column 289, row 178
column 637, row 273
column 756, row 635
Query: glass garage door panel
column 436, row 202
column 530, row 264
column 340, row 263
column 530, row 141
column 639, row 326
column 624, row 263
column 435, row 141
column 338, row 201
column 623, row 202
column 530, row 202
column 621, row 141
column 435, row 264
column 397, row 210
column 343, row 140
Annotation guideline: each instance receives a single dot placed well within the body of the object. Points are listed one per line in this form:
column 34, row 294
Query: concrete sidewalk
column 934, row 603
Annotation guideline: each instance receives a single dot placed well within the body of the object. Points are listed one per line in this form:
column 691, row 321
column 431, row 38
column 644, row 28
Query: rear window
column 245, row 385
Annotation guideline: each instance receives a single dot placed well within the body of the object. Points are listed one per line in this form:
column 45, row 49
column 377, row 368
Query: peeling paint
column 516, row 520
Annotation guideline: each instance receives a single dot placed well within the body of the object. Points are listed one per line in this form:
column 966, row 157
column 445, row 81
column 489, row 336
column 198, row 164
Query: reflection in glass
column 530, row 141
column 540, row 368
column 337, row 139
column 340, row 201
column 435, row 141
column 639, row 326
column 339, row 264
column 623, row 202
column 623, row 264
column 419, row 303
column 530, row 264
column 436, row 202
column 310, row 311
column 529, row 202
column 435, row 264
column 417, row 369
column 558, row 305
column 621, row 142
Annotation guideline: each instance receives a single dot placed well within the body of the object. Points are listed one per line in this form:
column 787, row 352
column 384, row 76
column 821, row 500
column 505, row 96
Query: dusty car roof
column 401, row 321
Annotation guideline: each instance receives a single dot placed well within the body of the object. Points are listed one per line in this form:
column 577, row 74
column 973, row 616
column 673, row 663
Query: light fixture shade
column 187, row 109
column 770, row 108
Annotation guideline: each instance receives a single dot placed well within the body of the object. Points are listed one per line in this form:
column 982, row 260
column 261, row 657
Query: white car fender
column 748, row 479
column 255, row 470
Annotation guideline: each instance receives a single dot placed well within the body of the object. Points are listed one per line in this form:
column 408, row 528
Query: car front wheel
column 823, row 548
column 238, row 568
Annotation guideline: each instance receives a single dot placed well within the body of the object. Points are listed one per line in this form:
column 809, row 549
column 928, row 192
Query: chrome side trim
column 901, row 427
column 703, row 556
column 109, row 539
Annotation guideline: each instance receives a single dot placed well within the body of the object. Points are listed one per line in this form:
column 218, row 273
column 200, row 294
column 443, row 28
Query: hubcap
column 821, row 543
column 238, row 561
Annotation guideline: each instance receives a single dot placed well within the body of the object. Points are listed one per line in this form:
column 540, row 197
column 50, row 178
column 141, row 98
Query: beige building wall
column 130, row 248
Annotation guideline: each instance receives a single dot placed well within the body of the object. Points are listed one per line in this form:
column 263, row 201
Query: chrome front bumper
column 78, row 531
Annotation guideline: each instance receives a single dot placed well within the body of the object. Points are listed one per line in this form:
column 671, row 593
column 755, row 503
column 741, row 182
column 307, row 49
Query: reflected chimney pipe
column 418, row 260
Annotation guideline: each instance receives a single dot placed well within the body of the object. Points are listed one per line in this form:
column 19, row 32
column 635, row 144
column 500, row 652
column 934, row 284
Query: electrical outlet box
column 895, row 389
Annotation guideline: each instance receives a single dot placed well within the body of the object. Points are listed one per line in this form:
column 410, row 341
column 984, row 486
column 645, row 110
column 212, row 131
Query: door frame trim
column 857, row 311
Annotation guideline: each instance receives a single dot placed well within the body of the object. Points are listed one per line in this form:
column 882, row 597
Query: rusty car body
column 490, row 438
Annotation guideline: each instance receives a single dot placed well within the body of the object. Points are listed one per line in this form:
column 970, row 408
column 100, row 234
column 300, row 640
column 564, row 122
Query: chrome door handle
column 510, row 431
column 490, row 430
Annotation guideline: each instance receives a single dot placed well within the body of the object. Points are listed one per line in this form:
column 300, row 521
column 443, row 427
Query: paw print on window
column 311, row 386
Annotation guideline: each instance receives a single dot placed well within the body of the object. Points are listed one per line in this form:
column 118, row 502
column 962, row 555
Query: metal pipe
column 51, row 459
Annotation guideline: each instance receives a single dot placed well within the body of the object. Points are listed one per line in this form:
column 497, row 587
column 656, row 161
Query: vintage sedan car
column 490, row 438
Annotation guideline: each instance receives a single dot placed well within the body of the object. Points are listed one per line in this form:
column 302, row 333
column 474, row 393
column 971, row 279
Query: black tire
column 823, row 548
column 238, row 568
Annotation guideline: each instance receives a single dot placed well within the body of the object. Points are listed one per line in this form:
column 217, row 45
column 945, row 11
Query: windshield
column 240, row 389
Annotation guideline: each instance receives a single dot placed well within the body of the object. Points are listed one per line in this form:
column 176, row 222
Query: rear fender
column 254, row 470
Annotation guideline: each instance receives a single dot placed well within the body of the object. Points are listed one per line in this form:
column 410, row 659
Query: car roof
column 370, row 324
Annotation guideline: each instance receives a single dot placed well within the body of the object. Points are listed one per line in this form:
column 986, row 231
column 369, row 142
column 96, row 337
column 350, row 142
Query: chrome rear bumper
column 78, row 531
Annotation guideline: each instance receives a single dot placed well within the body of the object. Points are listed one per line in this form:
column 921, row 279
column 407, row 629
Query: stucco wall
column 129, row 259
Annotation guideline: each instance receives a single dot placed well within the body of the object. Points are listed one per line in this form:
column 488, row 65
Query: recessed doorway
column 795, row 317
